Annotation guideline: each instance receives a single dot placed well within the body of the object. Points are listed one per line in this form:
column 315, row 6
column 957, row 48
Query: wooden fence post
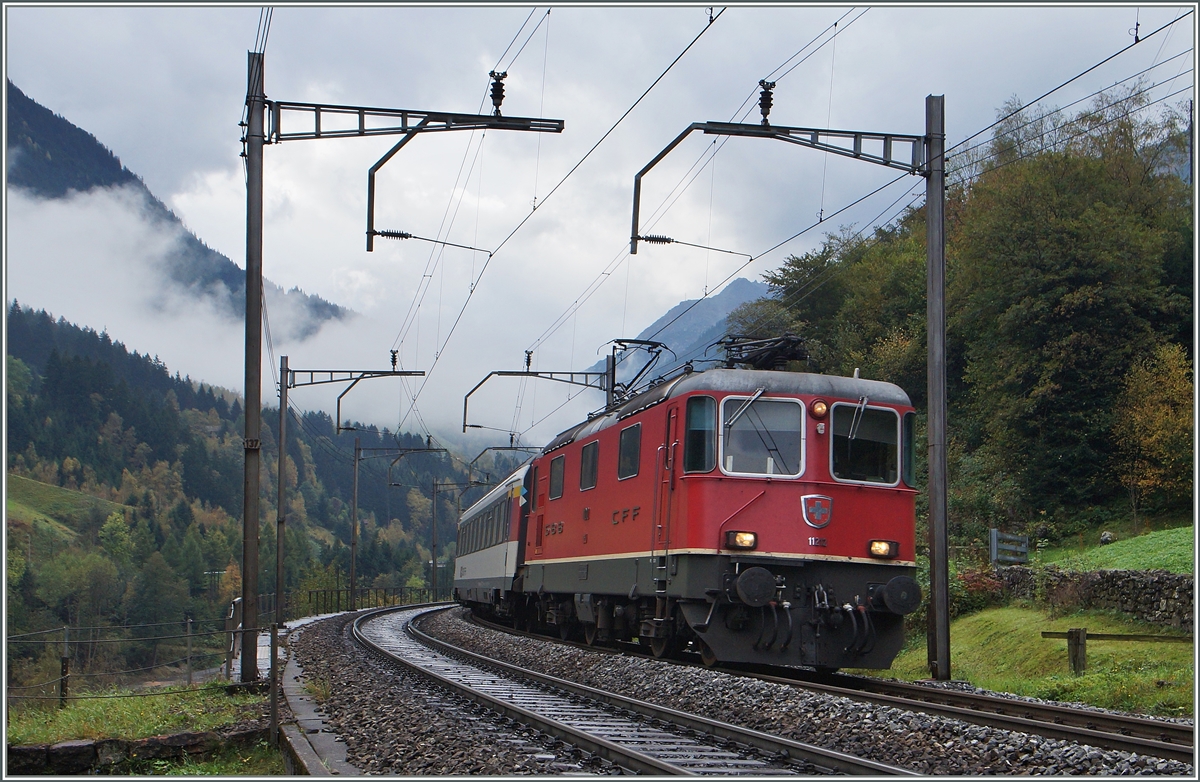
column 65, row 676
column 189, row 651
column 1077, row 649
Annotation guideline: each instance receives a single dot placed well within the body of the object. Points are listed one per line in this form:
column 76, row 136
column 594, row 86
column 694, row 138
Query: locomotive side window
column 629, row 452
column 557, row 466
column 589, row 461
column 700, row 440
column 762, row 436
column 908, row 444
column 865, row 444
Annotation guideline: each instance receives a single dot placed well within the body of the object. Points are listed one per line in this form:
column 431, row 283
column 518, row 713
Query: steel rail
column 1089, row 727
column 1124, row 724
column 837, row 761
column 623, row 756
column 1140, row 735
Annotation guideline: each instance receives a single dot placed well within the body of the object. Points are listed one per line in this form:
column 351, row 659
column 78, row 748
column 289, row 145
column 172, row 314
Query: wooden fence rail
column 1077, row 638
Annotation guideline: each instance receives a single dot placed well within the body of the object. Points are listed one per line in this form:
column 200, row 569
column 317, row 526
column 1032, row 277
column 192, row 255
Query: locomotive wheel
column 662, row 647
column 564, row 630
column 589, row 633
column 707, row 655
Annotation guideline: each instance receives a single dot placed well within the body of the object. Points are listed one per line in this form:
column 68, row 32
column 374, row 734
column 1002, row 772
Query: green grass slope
column 1171, row 549
column 42, row 519
column 1002, row 649
column 64, row 505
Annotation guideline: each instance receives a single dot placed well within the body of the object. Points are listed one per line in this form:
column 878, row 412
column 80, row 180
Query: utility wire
column 471, row 292
column 776, row 247
column 436, row 256
column 1076, row 77
column 677, row 191
column 527, row 39
column 1002, row 119
column 820, row 278
column 1115, row 84
column 1084, row 132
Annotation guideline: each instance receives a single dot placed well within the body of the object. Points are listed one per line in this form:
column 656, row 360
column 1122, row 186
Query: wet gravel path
column 921, row 742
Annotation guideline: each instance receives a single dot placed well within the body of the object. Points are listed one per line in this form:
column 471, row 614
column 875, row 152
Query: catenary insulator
column 655, row 239
column 765, row 100
column 394, row 234
column 497, row 90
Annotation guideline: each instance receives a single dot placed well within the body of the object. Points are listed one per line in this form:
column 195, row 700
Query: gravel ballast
column 395, row 722
column 921, row 742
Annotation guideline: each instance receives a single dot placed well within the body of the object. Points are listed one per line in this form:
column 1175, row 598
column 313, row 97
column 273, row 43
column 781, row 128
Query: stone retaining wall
column 1153, row 596
column 107, row 756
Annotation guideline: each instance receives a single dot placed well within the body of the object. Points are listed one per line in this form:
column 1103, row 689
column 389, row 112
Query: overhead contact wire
column 553, row 190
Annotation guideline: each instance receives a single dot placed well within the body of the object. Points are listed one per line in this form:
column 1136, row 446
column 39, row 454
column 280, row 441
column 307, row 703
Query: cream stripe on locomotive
column 714, row 552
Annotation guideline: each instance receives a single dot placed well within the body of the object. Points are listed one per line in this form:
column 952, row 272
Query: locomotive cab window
column 589, row 460
column 762, row 437
column 629, row 452
column 700, row 440
column 557, row 467
column 865, row 444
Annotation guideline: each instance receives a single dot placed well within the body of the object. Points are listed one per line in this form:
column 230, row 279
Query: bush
column 972, row 589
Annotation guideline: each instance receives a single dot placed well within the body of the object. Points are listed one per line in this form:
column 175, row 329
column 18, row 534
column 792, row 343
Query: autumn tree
column 1154, row 428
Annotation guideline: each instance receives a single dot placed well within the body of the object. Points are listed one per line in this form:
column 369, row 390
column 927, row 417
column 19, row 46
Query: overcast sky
column 164, row 89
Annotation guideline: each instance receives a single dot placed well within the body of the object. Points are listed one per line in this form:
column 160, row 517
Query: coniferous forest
column 163, row 456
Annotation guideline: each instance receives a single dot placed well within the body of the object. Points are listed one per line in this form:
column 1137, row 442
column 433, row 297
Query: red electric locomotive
column 753, row 516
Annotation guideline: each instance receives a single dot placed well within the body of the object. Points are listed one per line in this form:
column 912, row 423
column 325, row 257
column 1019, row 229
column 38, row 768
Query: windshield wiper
column 858, row 416
column 744, row 407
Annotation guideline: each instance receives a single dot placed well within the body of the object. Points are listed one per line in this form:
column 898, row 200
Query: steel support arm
column 352, row 121
column 316, row 377
column 820, row 139
column 594, row 380
column 393, row 122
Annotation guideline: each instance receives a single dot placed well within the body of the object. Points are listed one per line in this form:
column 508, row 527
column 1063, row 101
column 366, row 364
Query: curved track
column 1127, row 733
column 632, row 734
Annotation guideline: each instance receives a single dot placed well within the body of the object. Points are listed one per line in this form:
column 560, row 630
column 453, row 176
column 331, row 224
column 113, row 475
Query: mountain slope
column 50, row 157
column 691, row 326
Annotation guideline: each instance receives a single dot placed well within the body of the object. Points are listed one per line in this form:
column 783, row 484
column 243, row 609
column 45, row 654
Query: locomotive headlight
column 742, row 540
column 884, row 549
column 819, row 408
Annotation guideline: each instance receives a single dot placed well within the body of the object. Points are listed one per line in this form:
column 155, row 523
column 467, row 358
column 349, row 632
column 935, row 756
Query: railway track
column 634, row 735
column 1122, row 732
column 1100, row 729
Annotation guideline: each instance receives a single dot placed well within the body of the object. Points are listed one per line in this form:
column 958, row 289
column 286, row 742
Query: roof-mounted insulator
column 764, row 99
column 497, row 89
column 393, row 234
column 654, row 239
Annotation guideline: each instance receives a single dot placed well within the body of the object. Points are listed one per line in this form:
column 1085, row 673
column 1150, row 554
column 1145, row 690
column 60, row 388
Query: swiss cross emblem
column 818, row 509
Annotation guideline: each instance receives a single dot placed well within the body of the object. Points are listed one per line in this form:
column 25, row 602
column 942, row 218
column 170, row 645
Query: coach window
column 557, row 464
column 629, row 452
column 589, row 460
column 762, row 436
column 700, row 441
column 865, row 444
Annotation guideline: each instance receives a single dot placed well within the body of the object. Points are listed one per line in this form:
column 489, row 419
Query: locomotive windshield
column 865, row 444
column 761, row 436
